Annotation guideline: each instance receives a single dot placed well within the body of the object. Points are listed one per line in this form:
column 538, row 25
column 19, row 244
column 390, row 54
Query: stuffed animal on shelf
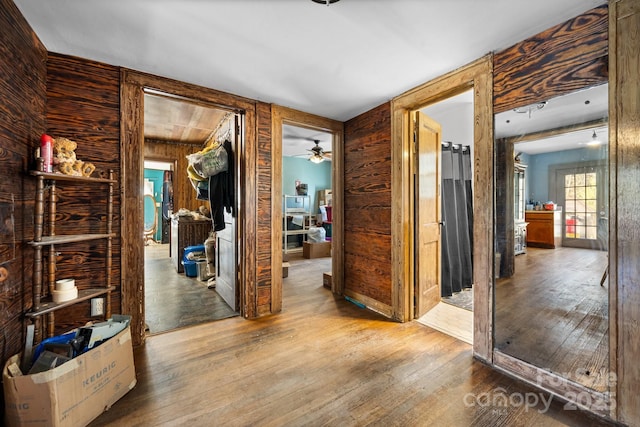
column 65, row 161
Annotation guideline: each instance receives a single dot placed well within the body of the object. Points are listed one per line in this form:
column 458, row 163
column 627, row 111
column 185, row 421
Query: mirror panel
column 551, row 286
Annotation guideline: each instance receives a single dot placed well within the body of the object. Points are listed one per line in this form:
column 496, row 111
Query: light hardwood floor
column 322, row 362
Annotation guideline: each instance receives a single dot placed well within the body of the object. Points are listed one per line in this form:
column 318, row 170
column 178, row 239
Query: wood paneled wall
column 367, row 207
column 263, row 245
column 22, row 121
column 184, row 195
column 560, row 60
column 83, row 104
column 624, row 249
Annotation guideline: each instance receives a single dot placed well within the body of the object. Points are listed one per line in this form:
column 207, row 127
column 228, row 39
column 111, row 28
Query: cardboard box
column 326, row 280
column 285, row 265
column 74, row 393
column 316, row 249
column 324, row 197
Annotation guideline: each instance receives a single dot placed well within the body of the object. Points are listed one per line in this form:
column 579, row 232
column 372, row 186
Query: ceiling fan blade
column 298, row 137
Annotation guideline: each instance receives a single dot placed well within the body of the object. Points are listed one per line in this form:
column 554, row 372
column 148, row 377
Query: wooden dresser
column 186, row 231
column 544, row 229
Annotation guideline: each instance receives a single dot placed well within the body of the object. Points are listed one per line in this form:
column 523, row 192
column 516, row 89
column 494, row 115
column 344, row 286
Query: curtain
column 457, row 217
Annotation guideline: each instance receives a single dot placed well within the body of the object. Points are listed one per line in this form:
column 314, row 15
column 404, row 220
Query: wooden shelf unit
column 41, row 293
column 304, row 211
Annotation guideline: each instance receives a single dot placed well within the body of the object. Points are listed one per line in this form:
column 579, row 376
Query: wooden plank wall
column 83, row 104
column 184, row 195
column 22, row 121
column 557, row 61
column 367, row 205
column 263, row 248
column 624, row 249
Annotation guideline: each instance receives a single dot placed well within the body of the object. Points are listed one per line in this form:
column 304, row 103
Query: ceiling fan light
column 316, row 158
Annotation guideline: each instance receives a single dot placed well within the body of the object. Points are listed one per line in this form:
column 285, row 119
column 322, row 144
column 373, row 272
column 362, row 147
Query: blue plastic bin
column 190, row 268
column 197, row 250
column 190, row 265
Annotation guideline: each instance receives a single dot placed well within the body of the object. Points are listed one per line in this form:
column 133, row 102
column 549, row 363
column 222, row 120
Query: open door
column 226, row 239
column 427, row 213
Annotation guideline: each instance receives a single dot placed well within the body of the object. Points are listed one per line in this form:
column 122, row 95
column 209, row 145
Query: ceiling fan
column 318, row 154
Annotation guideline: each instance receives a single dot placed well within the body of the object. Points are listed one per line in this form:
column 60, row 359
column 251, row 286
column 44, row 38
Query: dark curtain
column 457, row 211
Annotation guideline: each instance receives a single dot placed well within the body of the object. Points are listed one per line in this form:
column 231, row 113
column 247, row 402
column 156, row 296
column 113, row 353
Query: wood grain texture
column 504, row 210
column 83, row 105
column 565, row 58
column 322, row 362
column 624, row 249
column 553, row 313
column 22, row 121
column 183, row 191
column 132, row 210
column 264, row 212
column 367, row 204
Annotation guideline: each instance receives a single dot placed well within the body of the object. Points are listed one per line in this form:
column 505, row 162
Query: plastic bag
column 316, row 234
column 210, row 161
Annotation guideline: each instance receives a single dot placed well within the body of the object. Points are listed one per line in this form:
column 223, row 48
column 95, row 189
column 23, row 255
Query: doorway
column 583, row 191
column 288, row 122
column 475, row 76
column 307, row 206
column 189, row 273
column 443, row 227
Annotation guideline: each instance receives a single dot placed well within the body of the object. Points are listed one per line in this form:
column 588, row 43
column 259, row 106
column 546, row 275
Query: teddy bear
column 65, row 161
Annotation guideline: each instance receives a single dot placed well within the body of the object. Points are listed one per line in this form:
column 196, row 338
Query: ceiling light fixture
column 529, row 109
column 327, row 2
column 316, row 158
column 594, row 140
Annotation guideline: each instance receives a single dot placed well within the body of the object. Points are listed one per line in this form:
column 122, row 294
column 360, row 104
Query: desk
column 186, row 231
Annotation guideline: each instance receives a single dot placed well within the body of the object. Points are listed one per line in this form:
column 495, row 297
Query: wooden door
column 427, row 213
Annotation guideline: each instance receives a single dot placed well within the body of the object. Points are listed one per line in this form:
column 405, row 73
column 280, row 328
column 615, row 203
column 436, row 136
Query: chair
column 150, row 218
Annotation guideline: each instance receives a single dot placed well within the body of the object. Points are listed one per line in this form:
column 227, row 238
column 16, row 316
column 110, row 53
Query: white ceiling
column 335, row 61
column 297, row 141
column 584, row 106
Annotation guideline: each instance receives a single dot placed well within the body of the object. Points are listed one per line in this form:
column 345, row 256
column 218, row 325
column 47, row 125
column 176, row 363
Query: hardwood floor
column 322, row 361
column 553, row 313
column 173, row 300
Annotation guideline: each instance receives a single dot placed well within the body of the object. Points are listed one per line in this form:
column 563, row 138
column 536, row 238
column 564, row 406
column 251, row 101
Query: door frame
column 478, row 76
column 132, row 87
column 279, row 117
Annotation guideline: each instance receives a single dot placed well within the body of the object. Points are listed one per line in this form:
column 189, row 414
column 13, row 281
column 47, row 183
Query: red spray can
column 46, row 152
